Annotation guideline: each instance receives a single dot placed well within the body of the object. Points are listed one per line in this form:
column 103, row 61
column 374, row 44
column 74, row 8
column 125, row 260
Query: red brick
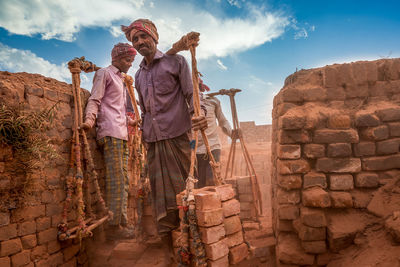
column 307, row 233
column 207, row 200
column 288, row 212
column 209, row 217
column 341, row 182
column 71, row 263
column 4, row 218
column 232, row 225
column 291, row 94
column 314, row 94
column 290, row 182
column 386, row 147
column 382, row 163
column 289, row 151
column 262, row 247
column 316, row 197
column 339, row 150
column 28, row 213
column 53, row 247
column 288, row 197
column 39, row 252
column 290, row 251
column 212, row 234
column 225, row 191
column 376, row 133
column 53, row 209
column 364, row 149
column 389, row 114
column 29, row 241
column 366, row 119
column 5, row 262
column 234, row 239
column 26, row 228
column 327, row 136
column 313, row 217
column 294, row 136
column 339, row 121
column 367, row 179
column 216, row 250
column 324, row 259
column 52, row 260
column 43, row 223
column 10, row 247
column 313, row 151
column 293, row 166
column 47, row 236
column 71, row 251
column 222, row 262
column 238, row 253
column 341, row 200
column 338, row 165
column 21, row 259
column 314, row 179
column 284, row 225
column 394, row 129
column 231, row 207
column 314, row 247
column 361, row 199
column 8, row 232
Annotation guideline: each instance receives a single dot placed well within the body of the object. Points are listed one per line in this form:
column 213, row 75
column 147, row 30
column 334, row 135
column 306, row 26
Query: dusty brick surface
column 339, row 150
column 290, row 182
column 222, row 262
column 293, row 166
column 314, row 179
column 289, row 151
column 364, row 149
column 341, row 200
column 29, row 241
column 313, row 151
column 367, row 180
column 5, row 261
column 10, row 247
column 316, row 197
column 386, row 147
column 376, row 133
column 238, row 253
column 313, row 217
column 326, row 136
column 232, row 225
column 21, row 259
column 207, row 200
column 341, row 182
column 290, row 251
column 217, row 250
column 338, row 165
column 47, row 236
column 27, row 228
column 288, row 212
column 231, row 207
column 212, row 234
column 8, row 232
column 307, row 233
column 288, row 197
column 314, row 247
column 234, row 239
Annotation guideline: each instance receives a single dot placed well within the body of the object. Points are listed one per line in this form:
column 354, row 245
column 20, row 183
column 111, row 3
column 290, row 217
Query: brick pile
column 220, row 228
column 242, row 187
column 336, row 136
column 28, row 227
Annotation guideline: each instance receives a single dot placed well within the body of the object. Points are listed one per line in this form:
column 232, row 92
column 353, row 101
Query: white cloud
column 234, row 3
column 220, row 37
column 16, row 60
column 221, row 65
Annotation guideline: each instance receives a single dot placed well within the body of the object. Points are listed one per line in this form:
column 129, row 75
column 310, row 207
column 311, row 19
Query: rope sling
column 76, row 181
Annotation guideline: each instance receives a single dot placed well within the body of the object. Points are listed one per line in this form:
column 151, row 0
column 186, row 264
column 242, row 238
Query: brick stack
column 219, row 225
column 335, row 141
column 28, row 226
column 242, row 186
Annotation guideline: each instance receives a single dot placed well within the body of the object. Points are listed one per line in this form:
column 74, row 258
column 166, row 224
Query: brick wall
column 28, row 227
column 335, row 141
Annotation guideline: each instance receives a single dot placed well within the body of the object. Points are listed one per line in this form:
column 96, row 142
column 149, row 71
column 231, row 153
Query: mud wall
column 31, row 205
column 335, row 142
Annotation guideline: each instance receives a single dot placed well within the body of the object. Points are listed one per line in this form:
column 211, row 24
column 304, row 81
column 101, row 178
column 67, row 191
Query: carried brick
column 231, row 207
column 209, row 218
column 206, row 200
column 232, row 225
column 238, row 253
column 216, row 250
column 212, row 234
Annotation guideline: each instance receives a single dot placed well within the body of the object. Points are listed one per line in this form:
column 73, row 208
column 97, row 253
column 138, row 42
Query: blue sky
column 251, row 45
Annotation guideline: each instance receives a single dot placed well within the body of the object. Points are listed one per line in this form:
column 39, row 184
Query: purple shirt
column 108, row 103
column 165, row 92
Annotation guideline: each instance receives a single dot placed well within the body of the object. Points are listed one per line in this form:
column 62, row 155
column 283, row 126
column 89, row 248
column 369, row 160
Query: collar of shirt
column 115, row 70
column 157, row 56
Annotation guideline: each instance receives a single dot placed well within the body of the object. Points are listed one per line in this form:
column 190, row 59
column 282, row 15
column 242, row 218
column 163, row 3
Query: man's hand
column 85, row 126
column 199, row 123
column 132, row 122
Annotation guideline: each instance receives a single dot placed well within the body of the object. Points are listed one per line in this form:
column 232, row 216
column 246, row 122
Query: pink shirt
column 108, row 104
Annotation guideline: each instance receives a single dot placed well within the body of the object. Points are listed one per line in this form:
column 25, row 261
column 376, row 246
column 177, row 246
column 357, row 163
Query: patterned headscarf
column 203, row 86
column 122, row 50
column 144, row 25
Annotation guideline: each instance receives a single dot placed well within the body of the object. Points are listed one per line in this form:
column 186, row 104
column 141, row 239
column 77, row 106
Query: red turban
column 122, row 50
column 143, row 25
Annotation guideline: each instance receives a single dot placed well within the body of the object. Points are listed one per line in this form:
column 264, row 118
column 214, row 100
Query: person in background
column 214, row 114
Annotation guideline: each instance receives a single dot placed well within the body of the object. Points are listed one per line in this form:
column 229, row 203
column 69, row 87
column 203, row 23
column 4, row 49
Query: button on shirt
column 214, row 113
column 165, row 92
column 108, row 102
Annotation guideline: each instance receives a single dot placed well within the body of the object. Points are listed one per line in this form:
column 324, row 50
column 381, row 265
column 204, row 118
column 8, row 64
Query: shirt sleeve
column 94, row 101
column 222, row 121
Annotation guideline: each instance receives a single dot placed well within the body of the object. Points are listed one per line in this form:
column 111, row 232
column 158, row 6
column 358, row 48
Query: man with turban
column 165, row 90
column 108, row 104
